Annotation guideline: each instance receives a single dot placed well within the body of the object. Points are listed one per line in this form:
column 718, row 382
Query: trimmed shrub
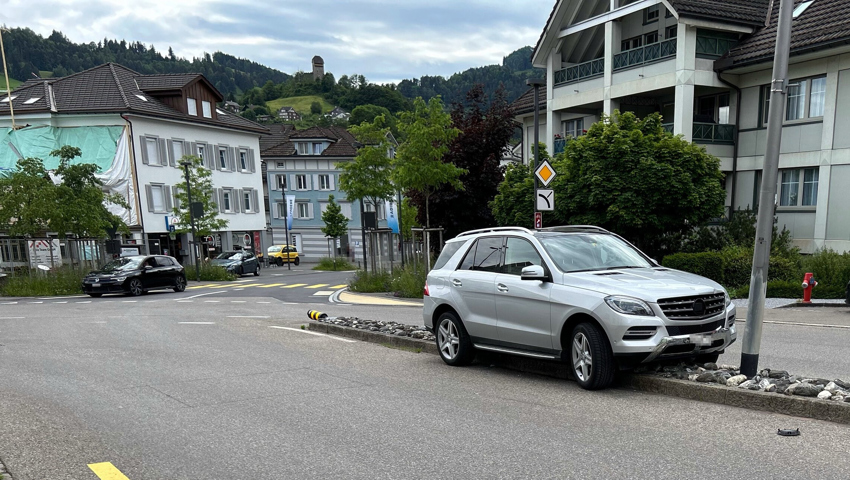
column 34, row 283
column 831, row 269
column 370, row 282
column 408, row 283
column 706, row 264
column 738, row 267
column 334, row 265
column 790, row 289
column 210, row 273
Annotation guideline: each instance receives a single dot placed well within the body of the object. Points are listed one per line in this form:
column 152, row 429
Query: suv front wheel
column 452, row 341
column 591, row 357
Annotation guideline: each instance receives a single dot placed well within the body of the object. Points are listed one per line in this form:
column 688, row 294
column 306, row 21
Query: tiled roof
column 171, row 81
column 278, row 133
column 738, row 11
column 824, row 23
column 525, row 102
column 343, row 143
column 109, row 88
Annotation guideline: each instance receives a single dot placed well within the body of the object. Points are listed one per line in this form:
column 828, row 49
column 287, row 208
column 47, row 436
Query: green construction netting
column 98, row 145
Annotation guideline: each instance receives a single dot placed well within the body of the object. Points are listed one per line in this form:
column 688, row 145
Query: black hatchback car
column 136, row 275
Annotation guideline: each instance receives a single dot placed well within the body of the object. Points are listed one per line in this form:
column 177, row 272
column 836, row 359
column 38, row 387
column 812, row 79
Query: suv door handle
column 457, row 283
column 502, row 287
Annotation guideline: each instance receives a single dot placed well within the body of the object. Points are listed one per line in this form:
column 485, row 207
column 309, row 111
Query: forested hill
column 512, row 73
column 29, row 54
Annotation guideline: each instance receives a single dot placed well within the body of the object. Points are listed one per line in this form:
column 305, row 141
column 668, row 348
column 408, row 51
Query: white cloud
column 382, row 39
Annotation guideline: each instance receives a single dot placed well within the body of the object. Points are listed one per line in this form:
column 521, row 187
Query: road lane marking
column 200, row 295
column 10, row 318
column 63, row 296
column 212, row 301
column 36, row 302
column 107, row 471
column 9, row 303
column 197, row 286
column 824, row 325
column 247, row 316
column 87, row 301
column 238, row 301
column 269, row 285
column 337, row 287
column 323, row 293
column 313, row 333
column 196, row 323
column 60, row 302
column 227, row 285
column 129, row 301
column 294, row 285
column 238, row 289
column 264, row 302
column 318, row 285
column 185, row 301
column 249, row 285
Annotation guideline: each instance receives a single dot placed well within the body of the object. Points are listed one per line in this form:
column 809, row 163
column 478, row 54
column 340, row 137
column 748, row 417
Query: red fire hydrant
column 808, row 284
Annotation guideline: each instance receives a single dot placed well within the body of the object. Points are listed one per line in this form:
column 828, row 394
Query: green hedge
column 707, row 264
column 791, row 289
column 34, row 283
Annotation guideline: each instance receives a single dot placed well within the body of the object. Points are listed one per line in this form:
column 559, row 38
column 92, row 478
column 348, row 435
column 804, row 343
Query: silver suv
column 578, row 294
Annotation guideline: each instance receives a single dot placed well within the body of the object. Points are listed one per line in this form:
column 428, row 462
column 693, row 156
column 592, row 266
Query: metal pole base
column 749, row 364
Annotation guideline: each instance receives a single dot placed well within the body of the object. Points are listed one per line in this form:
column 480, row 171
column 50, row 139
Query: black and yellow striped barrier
column 315, row 314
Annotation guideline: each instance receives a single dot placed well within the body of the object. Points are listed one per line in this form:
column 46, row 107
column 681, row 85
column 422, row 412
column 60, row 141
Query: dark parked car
column 240, row 262
column 136, row 275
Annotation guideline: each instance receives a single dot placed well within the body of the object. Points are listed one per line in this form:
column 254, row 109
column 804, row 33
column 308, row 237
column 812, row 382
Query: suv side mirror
column 534, row 272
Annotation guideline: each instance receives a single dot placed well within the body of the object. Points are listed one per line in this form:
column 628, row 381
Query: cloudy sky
column 385, row 40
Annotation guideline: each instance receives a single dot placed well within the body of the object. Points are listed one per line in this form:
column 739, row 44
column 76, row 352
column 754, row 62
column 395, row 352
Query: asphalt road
column 164, row 388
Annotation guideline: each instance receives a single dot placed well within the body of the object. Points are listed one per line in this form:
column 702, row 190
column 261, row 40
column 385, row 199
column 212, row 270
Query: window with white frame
column 318, row 148
column 152, row 150
column 201, row 152
column 177, row 150
column 793, row 182
column 226, row 199
column 246, row 200
column 651, row 37
column 192, row 106
column 324, row 182
column 243, row 160
column 301, row 182
column 671, row 31
column 280, row 182
column 631, row 43
column 281, row 165
column 207, row 109
column 222, row 158
column 281, row 209
column 650, row 14
column 158, row 198
column 806, row 98
column 345, row 207
column 302, row 210
column 303, row 148
column 573, row 128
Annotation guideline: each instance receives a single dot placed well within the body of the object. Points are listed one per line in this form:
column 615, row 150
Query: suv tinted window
column 164, row 261
column 488, row 254
column 448, row 250
column 519, row 253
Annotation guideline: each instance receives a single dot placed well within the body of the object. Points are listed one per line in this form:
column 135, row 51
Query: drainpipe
column 136, row 184
column 735, row 144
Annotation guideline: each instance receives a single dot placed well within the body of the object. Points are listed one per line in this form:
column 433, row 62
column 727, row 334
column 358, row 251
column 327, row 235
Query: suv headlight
column 120, row 279
column 727, row 297
column 629, row 305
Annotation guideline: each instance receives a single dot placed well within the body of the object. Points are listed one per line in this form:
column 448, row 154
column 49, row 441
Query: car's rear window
column 448, row 251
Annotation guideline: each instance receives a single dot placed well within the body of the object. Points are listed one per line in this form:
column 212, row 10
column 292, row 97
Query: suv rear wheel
column 592, row 360
column 452, row 341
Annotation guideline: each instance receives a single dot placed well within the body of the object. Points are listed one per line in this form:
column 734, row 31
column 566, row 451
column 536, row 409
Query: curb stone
column 704, row 392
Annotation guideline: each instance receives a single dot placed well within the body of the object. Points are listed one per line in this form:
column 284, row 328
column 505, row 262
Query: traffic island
column 774, row 391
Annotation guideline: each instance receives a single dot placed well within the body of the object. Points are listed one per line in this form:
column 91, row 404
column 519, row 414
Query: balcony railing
column 714, row 45
column 709, row 133
column 582, row 71
column 645, row 54
column 560, row 143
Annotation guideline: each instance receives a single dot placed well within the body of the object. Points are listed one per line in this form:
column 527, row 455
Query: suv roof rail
column 496, row 229
column 575, row 228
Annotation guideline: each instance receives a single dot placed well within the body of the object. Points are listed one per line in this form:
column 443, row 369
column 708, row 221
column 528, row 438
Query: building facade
column 706, row 69
column 137, row 128
column 289, row 114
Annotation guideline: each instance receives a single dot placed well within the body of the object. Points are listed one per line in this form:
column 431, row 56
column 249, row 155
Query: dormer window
column 32, row 100
column 6, row 99
column 303, row 148
column 141, row 97
column 318, row 148
column 207, row 109
column 193, row 107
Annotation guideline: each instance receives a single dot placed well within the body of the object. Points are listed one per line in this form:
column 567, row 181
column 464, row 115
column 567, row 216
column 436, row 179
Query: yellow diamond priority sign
column 545, row 173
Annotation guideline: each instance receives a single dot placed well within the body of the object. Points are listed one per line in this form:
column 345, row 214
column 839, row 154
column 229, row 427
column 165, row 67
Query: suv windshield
column 122, row 264
column 580, row 252
column 229, row 256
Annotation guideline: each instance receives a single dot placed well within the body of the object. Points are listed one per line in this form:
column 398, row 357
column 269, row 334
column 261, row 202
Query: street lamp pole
column 536, row 83
column 193, row 243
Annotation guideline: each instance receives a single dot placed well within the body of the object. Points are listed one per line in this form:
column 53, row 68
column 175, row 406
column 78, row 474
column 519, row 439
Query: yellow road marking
column 318, row 285
column 335, row 287
column 240, row 285
column 270, row 285
column 107, row 471
column 294, row 285
column 226, row 285
column 197, row 286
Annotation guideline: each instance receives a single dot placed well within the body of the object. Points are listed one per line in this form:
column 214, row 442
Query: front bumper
column 103, row 287
column 694, row 344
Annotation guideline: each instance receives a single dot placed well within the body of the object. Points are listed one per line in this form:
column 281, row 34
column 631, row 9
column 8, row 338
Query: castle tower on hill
column 318, row 68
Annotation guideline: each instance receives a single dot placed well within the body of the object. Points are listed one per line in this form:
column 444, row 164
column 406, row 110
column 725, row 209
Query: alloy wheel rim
column 582, row 359
column 135, row 287
column 448, row 339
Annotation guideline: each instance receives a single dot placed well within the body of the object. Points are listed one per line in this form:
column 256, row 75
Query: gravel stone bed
column 781, row 302
column 389, row 328
column 767, row 380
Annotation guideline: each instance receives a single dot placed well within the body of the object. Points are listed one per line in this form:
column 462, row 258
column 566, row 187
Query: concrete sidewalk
column 346, row 296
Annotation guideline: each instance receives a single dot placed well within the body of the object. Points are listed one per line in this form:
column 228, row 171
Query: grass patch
column 45, row 74
column 300, row 104
column 15, row 84
column 405, row 282
column 60, row 281
column 406, row 349
column 331, row 265
column 214, row 273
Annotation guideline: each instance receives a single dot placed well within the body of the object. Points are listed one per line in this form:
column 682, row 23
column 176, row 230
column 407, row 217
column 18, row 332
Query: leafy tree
column 630, row 176
column 336, row 224
column 316, row 108
column 419, row 165
column 485, row 131
column 368, row 176
column 200, row 181
column 513, row 205
column 409, row 212
column 31, row 203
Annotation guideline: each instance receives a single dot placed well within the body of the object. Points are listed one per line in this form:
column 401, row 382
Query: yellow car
column 280, row 254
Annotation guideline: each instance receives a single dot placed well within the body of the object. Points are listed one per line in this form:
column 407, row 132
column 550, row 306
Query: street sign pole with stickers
column 544, row 198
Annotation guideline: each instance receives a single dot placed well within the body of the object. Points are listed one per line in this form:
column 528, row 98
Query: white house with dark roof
column 289, row 114
column 705, row 66
column 136, row 128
